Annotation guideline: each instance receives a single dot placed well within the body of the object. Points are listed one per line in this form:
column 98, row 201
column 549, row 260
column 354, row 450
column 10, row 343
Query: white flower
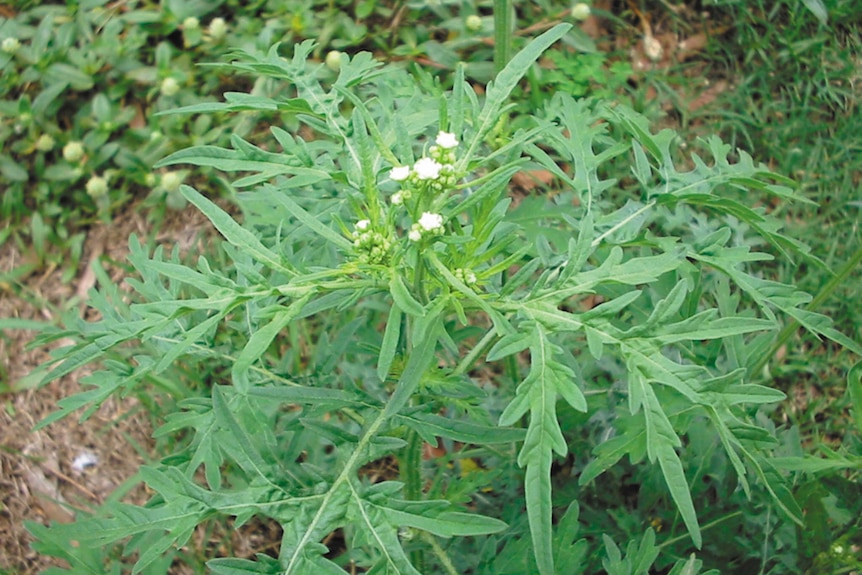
column 362, row 225
column 430, row 222
column 446, row 140
column 427, row 169
column 397, row 199
column 399, row 174
column 414, row 235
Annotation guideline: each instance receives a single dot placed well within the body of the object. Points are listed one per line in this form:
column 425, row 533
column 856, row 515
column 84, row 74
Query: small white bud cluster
column 429, row 224
column 466, row 276
column 435, row 172
column 373, row 246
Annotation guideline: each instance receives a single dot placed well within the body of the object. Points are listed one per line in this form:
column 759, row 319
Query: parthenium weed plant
column 382, row 293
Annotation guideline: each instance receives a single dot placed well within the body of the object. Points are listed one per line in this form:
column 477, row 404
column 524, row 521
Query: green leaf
column 432, row 425
column 447, row 523
column 854, row 388
column 390, row 342
column 239, row 101
column 402, row 296
column 279, row 197
column 234, row 233
column 498, row 91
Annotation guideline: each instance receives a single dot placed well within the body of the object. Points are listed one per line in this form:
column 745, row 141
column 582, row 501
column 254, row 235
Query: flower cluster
column 429, row 224
column 435, row 172
column 373, row 246
column 466, row 276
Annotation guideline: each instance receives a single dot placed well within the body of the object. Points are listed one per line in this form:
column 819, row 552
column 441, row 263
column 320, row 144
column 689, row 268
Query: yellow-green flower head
column 171, row 181
column 218, row 28
column 10, row 45
column 97, row 187
column 169, row 86
column 191, row 23
column 45, row 143
column 73, row 152
column 473, row 23
column 580, row 11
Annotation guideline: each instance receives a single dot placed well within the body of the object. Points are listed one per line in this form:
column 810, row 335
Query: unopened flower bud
column 191, row 23
column 333, row 60
column 473, row 23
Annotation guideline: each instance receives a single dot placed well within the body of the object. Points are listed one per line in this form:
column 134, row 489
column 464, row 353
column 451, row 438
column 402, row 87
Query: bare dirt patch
column 58, row 472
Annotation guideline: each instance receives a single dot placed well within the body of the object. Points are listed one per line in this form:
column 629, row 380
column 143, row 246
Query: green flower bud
column 191, row 23
column 45, row 143
column 473, row 23
column 97, row 187
column 73, row 152
column 580, row 11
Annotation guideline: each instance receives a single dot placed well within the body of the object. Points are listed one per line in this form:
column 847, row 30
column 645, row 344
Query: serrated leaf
column 464, row 431
column 498, row 91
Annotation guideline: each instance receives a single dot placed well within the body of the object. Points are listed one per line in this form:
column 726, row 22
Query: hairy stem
column 440, row 553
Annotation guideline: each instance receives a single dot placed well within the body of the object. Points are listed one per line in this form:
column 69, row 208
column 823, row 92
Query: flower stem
column 502, row 33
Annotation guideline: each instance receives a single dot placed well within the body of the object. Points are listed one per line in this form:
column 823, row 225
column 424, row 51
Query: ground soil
column 38, row 479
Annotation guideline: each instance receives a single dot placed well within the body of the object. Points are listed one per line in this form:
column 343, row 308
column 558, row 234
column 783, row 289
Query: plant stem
column 411, row 474
column 502, row 33
column 440, row 553
column 465, row 364
column 793, row 325
column 704, row 528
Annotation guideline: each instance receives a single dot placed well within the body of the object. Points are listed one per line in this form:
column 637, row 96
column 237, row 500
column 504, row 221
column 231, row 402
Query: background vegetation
column 82, row 84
